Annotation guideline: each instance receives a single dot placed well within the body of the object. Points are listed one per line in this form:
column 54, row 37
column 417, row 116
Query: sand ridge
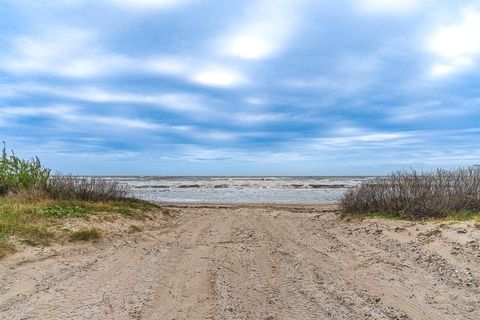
column 253, row 262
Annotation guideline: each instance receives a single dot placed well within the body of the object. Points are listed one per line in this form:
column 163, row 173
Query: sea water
column 305, row 190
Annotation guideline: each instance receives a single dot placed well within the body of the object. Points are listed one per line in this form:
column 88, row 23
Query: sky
column 223, row 87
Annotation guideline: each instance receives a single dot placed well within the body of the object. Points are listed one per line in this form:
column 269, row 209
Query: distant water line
column 287, row 190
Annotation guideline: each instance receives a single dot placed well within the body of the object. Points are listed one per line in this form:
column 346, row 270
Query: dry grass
column 414, row 195
column 134, row 228
column 33, row 203
column 85, row 235
column 37, row 220
column 88, row 189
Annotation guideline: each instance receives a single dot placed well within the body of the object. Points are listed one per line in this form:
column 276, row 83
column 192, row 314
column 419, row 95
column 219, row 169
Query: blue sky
column 216, row 87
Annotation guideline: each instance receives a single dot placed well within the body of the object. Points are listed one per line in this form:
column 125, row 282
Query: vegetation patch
column 5, row 248
column 134, row 228
column 462, row 216
column 85, row 234
column 19, row 174
column 64, row 211
column 440, row 194
column 67, row 187
column 133, row 207
column 34, row 203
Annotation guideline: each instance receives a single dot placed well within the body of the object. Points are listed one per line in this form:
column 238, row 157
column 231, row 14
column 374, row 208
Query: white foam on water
column 305, row 190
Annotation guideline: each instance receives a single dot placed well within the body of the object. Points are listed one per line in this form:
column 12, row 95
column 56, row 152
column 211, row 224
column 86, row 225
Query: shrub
column 89, row 189
column 417, row 195
column 18, row 174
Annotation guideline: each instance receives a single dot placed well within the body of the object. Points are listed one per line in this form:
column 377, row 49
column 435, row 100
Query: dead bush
column 417, row 195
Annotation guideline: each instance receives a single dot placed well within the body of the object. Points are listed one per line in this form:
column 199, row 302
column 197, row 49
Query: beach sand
column 251, row 262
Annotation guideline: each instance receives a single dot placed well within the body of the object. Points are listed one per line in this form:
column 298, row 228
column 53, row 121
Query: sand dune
column 253, row 262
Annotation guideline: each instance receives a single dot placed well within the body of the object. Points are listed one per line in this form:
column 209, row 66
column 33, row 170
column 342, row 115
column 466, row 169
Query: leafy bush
column 18, row 174
column 88, row 189
column 417, row 195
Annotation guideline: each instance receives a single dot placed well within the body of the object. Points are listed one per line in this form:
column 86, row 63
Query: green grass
column 38, row 220
column 383, row 215
column 85, row 235
column 64, row 211
column 33, row 203
column 460, row 216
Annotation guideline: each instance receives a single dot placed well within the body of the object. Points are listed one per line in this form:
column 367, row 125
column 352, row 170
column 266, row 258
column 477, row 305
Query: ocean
column 284, row 190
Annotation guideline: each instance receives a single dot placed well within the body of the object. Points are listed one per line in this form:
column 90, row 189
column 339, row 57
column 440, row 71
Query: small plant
column 5, row 248
column 64, row 211
column 85, row 235
column 35, row 236
column 134, row 228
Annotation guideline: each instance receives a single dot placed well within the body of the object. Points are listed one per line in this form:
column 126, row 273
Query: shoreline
column 241, row 204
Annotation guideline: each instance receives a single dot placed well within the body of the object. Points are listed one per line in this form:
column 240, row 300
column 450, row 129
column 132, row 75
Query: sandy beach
column 251, row 262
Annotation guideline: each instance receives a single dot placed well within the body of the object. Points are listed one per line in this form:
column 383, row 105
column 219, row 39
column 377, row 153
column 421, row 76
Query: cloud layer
column 255, row 87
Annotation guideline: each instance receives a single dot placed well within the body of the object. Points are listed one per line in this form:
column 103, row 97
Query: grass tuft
column 5, row 248
column 85, row 234
column 134, row 228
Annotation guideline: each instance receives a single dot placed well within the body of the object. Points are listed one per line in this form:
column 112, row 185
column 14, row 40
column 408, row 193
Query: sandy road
column 253, row 262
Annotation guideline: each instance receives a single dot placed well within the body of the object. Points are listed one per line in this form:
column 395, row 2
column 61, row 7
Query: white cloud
column 255, row 101
column 348, row 74
column 432, row 111
column 178, row 102
column 148, row 4
column 55, row 110
column 215, row 135
column 75, row 53
column 254, row 118
column 218, row 77
column 116, row 122
column 318, row 83
column 248, row 46
column 72, row 114
column 457, row 46
column 168, row 65
column 390, row 7
column 357, row 137
column 206, row 72
column 75, row 118
column 264, row 33
column 63, row 51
